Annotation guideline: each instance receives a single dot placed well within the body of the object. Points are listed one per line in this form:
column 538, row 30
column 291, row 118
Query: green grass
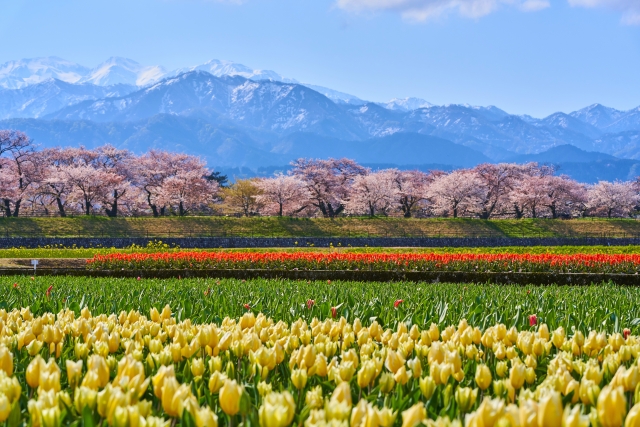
column 604, row 307
column 44, row 253
column 313, row 227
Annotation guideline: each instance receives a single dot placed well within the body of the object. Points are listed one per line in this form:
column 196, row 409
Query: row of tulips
column 137, row 370
column 593, row 263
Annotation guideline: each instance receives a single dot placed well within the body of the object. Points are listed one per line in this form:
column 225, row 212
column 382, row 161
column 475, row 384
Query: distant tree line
column 113, row 182
column 105, row 181
column 342, row 187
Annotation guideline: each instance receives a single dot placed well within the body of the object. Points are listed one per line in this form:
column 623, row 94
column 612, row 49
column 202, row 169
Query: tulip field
column 468, row 262
column 278, row 353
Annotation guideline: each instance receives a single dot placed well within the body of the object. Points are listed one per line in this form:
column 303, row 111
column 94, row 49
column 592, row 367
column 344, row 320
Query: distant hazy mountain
column 51, row 95
column 562, row 154
column 336, row 96
column 285, row 108
column 399, row 148
column 18, row 74
column 116, row 71
column 227, row 68
column 406, row 104
column 239, row 117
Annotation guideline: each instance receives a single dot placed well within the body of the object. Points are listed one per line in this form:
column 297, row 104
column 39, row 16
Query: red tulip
column 533, row 320
column 247, row 306
column 626, row 332
column 328, row 282
column 138, row 277
column 397, row 303
column 15, row 285
column 334, row 312
column 310, row 303
column 49, row 289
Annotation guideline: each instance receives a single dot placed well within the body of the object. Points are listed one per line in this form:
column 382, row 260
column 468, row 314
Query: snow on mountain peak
column 25, row 72
column 221, row 68
column 406, row 104
column 118, row 70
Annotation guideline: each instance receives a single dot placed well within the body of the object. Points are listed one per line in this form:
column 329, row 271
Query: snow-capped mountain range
column 123, row 71
column 234, row 115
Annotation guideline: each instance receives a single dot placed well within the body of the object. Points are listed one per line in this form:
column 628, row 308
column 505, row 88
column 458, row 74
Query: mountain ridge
column 240, row 117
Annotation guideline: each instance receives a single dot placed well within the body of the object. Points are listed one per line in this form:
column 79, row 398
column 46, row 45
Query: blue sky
column 525, row 56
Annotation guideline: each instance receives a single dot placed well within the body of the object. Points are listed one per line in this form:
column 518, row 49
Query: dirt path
column 25, row 263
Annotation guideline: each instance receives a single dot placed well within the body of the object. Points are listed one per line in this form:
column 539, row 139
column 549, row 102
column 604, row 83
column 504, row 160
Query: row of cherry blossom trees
column 331, row 187
column 105, row 180
column 116, row 182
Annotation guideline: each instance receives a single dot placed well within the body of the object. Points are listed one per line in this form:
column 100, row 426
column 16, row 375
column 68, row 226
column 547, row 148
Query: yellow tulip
column 528, row 413
column 631, row 378
column 120, row 417
column 401, row 376
column 169, row 389
column 313, row 398
column 6, row 360
column 346, row 371
column 230, row 395
column 277, row 410
column 299, row 378
column 84, row 396
column 386, row 382
column 416, row 367
column 633, row 418
column 33, row 372
column 34, row 347
column 588, row 392
column 51, row 417
column 364, row 415
column 342, row 394
column 366, row 374
column 611, row 406
column 74, row 372
column 206, row 418
column 215, row 364
column 489, row 411
column 558, row 337
column 197, row 367
column 264, row 388
column 216, row 381
column 49, row 381
column 530, row 375
column 517, row 375
column 466, row 398
column 501, row 369
column 483, row 377
column 386, row 417
column 98, row 365
column 550, row 410
column 394, row 361
column 414, row 415
column 176, row 397
column 573, row 418
column 427, row 387
column 5, row 407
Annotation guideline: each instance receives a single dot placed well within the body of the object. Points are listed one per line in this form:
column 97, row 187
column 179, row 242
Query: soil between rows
column 78, row 267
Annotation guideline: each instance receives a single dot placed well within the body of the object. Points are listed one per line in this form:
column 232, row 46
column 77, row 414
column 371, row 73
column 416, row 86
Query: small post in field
column 34, row 262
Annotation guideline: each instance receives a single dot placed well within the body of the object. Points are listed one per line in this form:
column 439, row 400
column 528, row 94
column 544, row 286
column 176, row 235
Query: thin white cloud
column 422, row 10
column 534, row 5
column 630, row 8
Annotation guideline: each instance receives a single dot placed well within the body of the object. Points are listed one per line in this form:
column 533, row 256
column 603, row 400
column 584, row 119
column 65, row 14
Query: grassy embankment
column 315, row 227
